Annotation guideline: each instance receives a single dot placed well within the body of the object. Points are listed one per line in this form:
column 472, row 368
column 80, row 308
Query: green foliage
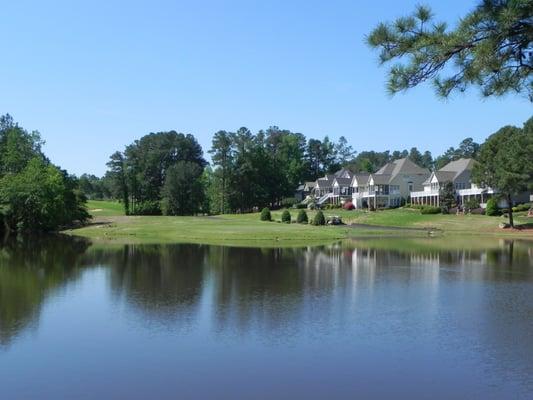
column 319, row 219
column 39, row 199
column 467, row 149
column 288, row 202
column 183, row 192
column 265, row 214
column 492, row 209
column 34, row 194
column 302, row 217
column 489, row 48
column 447, row 196
column 94, row 188
column 139, row 173
column 522, row 207
column 471, row 204
column 505, row 162
column 429, row 210
column 286, row 216
column 148, row 207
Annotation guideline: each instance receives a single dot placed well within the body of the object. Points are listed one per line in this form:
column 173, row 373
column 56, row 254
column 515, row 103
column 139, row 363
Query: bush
column 300, row 206
column 311, row 206
column 430, row 210
column 265, row 215
column 319, row 219
column 348, row 205
column 286, row 216
column 302, row 217
column 148, row 207
column 522, row 207
column 492, row 208
column 471, row 204
column 331, row 206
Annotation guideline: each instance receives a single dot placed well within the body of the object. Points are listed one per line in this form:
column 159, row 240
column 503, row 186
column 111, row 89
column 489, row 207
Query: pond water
column 379, row 318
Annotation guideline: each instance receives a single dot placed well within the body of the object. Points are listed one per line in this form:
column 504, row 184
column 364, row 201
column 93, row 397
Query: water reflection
column 31, row 269
column 422, row 297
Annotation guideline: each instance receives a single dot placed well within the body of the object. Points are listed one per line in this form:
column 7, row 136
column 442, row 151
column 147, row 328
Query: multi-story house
column 389, row 186
column 458, row 172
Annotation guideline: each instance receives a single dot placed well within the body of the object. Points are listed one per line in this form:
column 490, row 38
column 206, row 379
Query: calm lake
column 375, row 318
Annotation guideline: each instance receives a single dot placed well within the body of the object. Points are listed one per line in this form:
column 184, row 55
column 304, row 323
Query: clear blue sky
column 93, row 76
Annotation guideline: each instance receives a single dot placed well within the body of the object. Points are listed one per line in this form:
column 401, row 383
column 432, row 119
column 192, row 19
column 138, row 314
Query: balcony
column 424, row 193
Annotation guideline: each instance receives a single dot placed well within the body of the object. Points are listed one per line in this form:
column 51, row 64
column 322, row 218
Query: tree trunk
column 510, row 205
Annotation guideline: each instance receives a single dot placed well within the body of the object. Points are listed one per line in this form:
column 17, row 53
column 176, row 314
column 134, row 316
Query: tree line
column 35, row 195
column 166, row 173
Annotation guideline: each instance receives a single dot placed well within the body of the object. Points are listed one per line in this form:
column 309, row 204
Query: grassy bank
column 110, row 224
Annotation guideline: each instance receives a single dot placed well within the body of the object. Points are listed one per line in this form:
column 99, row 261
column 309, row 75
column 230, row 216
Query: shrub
column 265, row 215
column 348, row 205
column 471, row 204
column 286, row 216
column 148, row 207
column 319, row 219
column 492, row 208
column 311, row 206
column 522, row 207
column 302, row 217
column 300, row 206
column 430, row 210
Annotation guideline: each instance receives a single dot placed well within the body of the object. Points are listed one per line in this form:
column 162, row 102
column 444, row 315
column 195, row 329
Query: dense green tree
column 140, row 172
column 183, row 192
column 505, row 163
column 34, row 194
column 118, row 179
column 40, row 198
column 222, row 158
column 345, row 153
column 93, row 187
column 491, row 47
column 17, row 146
column 447, row 196
column 467, row 149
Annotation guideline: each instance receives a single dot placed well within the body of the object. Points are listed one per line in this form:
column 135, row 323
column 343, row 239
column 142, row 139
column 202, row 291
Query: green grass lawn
column 102, row 208
column 110, row 224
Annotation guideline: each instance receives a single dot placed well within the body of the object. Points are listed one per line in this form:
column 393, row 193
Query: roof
column 442, row 176
column 343, row 181
column 459, row 165
column 403, row 165
column 343, row 173
column 453, row 169
column 310, row 184
column 381, row 179
column 324, row 183
column 360, row 177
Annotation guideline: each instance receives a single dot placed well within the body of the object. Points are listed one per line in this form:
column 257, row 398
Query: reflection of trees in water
column 31, row 269
column 243, row 288
column 159, row 280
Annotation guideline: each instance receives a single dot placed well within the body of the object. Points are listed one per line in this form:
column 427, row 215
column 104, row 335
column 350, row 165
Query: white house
column 388, row 186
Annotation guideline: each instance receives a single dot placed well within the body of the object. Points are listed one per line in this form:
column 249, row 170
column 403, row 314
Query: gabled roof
column 310, row 184
column 380, row 179
column 360, row 178
column 452, row 170
column 403, row 165
column 343, row 173
column 459, row 165
column 442, row 176
column 324, row 183
column 343, row 181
